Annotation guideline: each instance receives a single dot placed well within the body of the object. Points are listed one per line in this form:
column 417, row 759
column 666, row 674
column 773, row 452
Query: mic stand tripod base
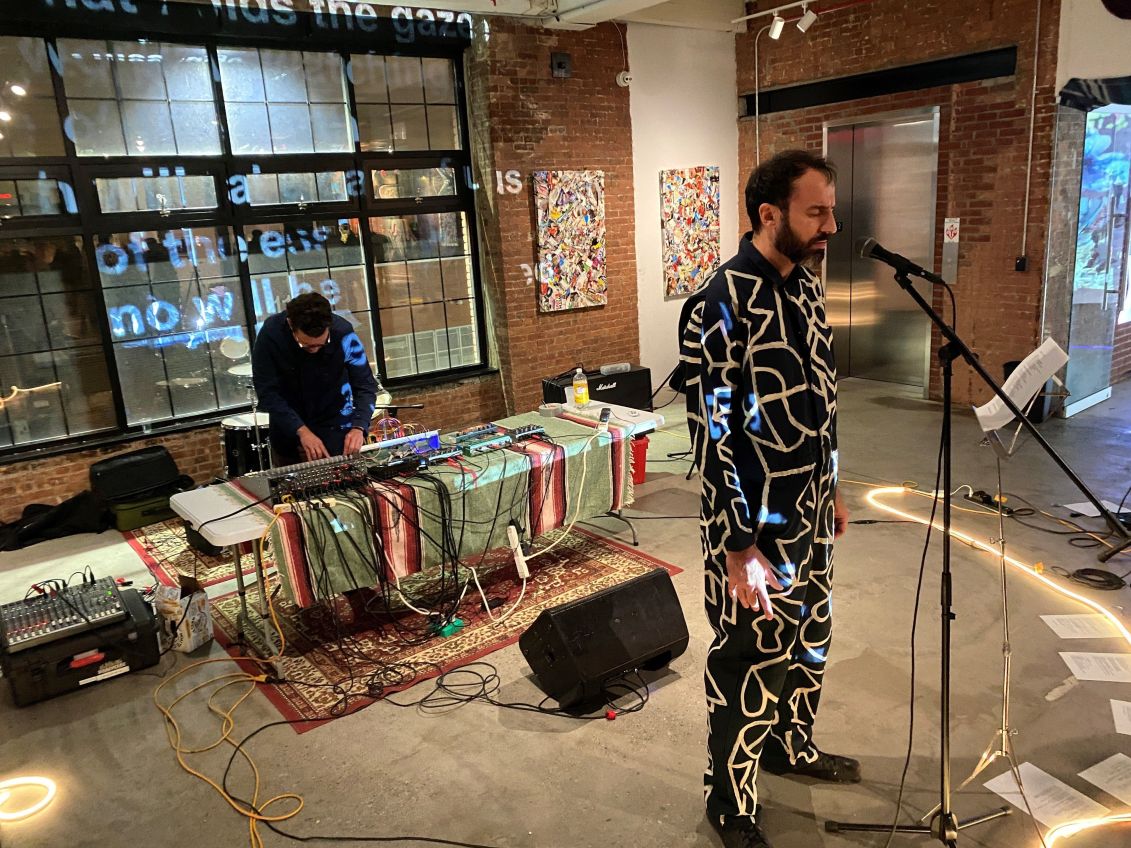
column 948, row 834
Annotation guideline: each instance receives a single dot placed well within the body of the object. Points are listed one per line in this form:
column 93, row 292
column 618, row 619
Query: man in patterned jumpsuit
column 761, row 389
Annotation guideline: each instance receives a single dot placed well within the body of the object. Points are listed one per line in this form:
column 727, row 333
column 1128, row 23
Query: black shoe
column 741, row 832
column 830, row 767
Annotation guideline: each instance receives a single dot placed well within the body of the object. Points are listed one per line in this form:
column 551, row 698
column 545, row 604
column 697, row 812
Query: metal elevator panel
column 886, row 189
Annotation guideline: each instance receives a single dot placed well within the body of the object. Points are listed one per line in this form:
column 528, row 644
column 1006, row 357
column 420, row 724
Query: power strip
column 989, row 501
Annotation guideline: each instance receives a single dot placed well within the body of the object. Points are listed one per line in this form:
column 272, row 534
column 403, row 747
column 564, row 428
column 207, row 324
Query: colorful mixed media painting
column 689, row 216
column 571, row 239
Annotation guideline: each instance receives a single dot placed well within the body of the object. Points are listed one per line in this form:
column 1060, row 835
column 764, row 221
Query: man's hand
column 840, row 516
column 355, row 438
column 748, row 576
column 311, row 445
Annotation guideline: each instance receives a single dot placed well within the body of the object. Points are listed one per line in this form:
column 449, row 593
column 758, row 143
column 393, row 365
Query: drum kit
column 244, row 438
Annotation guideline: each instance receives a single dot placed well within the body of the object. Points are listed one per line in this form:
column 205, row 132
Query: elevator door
column 887, row 175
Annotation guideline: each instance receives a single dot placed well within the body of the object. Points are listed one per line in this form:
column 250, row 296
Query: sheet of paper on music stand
column 1121, row 710
column 1054, row 802
column 1106, row 668
column 1086, row 626
column 1028, row 378
column 1113, row 776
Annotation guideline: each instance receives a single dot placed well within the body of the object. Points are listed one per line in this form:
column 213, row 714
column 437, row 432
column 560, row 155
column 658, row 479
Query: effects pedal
column 434, row 457
column 526, row 431
column 483, row 445
column 476, row 432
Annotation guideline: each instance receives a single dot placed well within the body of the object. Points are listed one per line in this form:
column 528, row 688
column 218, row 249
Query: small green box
column 129, row 515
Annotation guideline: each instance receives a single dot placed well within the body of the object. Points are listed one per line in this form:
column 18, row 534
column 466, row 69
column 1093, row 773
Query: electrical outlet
column 561, row 65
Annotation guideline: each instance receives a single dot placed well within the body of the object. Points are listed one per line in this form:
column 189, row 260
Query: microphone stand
column 944, row 825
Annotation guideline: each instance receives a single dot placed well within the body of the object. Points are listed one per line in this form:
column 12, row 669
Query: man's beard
column 796, row 251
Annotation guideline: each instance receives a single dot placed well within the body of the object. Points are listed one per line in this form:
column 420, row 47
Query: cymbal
column 241, row 370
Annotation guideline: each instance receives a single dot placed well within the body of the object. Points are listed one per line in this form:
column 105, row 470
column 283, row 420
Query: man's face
column 804, row 229
column 310, row 344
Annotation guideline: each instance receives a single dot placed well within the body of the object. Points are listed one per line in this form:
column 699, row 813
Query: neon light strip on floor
column 1068, row 829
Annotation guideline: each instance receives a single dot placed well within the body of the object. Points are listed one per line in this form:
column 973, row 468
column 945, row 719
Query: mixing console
column 53, row 615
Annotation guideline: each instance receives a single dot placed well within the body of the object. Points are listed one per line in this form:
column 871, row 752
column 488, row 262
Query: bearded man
column 761, row 388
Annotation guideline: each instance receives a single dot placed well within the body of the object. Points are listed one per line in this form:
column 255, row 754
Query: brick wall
column 1121, row 359
column 526, row 121
column 983, row 143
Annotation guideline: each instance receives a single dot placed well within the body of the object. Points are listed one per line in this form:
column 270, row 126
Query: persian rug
column 165, row 551
column 344, row 654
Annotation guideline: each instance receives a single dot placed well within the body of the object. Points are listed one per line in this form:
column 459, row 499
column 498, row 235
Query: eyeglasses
column 313, row 346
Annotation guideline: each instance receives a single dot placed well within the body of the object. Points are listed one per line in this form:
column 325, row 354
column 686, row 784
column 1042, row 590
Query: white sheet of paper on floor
column 1108, row 668
column 1026, row 380
column 1053, row 801
column 1085, row 626
column 1121, row 710
column 1086, row 508
column 1113, row 776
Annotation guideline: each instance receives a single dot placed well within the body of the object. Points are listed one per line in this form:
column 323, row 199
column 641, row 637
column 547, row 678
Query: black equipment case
column 73, row 662
column 137, row 485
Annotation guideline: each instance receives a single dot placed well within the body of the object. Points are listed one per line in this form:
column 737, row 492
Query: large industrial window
column 160, row 200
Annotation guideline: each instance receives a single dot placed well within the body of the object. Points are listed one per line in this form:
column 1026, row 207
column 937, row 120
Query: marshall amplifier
column 631, row 388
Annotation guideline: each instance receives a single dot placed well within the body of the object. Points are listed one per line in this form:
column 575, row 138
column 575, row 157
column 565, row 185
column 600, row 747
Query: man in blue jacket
column 314, row 380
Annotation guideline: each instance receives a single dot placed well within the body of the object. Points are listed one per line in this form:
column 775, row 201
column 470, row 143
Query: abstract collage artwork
column 571, row 239
column 689, row 220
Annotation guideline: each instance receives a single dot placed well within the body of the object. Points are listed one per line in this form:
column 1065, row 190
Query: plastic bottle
column 580, row 389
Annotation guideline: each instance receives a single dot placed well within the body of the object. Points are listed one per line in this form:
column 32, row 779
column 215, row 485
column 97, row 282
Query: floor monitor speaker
column 576, row 648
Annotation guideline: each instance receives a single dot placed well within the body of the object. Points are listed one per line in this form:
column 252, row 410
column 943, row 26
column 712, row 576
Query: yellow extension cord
column 256, row 812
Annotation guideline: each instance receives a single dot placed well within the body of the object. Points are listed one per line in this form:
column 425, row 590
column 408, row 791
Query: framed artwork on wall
column 689, row 221
column 571, row 239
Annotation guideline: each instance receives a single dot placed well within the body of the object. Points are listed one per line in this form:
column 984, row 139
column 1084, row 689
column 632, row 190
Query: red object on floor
column 639, row 458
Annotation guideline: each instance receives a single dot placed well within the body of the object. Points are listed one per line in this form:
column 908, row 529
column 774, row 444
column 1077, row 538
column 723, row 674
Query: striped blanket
column 392, row 529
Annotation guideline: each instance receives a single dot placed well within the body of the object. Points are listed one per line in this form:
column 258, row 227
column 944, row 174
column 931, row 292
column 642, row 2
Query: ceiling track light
column 808, row 18
column 776, row 26
column 18, row 90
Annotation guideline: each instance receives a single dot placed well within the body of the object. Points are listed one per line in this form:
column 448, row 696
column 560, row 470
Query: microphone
column 869, row 248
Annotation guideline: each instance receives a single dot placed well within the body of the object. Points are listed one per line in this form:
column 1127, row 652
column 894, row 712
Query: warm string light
column 1068, row 829
column 17, row 391
column 873, row 498
column 6, row 787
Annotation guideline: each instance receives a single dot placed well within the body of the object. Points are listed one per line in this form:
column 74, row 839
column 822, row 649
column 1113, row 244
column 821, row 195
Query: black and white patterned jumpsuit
column 761, row 389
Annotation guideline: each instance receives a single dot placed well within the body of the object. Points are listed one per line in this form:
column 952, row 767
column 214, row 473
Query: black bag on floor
column 39, row 522
column 137, row 486
column 135, row 475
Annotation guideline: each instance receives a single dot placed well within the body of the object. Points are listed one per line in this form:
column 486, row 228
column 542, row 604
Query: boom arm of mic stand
column 964, row 351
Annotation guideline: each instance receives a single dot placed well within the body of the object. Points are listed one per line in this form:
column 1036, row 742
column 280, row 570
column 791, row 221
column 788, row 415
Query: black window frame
column 206, row 27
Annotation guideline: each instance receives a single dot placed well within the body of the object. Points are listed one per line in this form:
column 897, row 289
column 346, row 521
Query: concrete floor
column 504, row 778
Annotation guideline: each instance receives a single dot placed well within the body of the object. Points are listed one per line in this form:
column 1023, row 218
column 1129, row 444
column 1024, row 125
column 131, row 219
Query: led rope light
column 46, row 784
column 873, row 498
column 1068, row 829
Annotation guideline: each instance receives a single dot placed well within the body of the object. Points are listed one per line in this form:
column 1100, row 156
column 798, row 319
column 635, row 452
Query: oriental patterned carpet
column 342, row 656
column 166, row 552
